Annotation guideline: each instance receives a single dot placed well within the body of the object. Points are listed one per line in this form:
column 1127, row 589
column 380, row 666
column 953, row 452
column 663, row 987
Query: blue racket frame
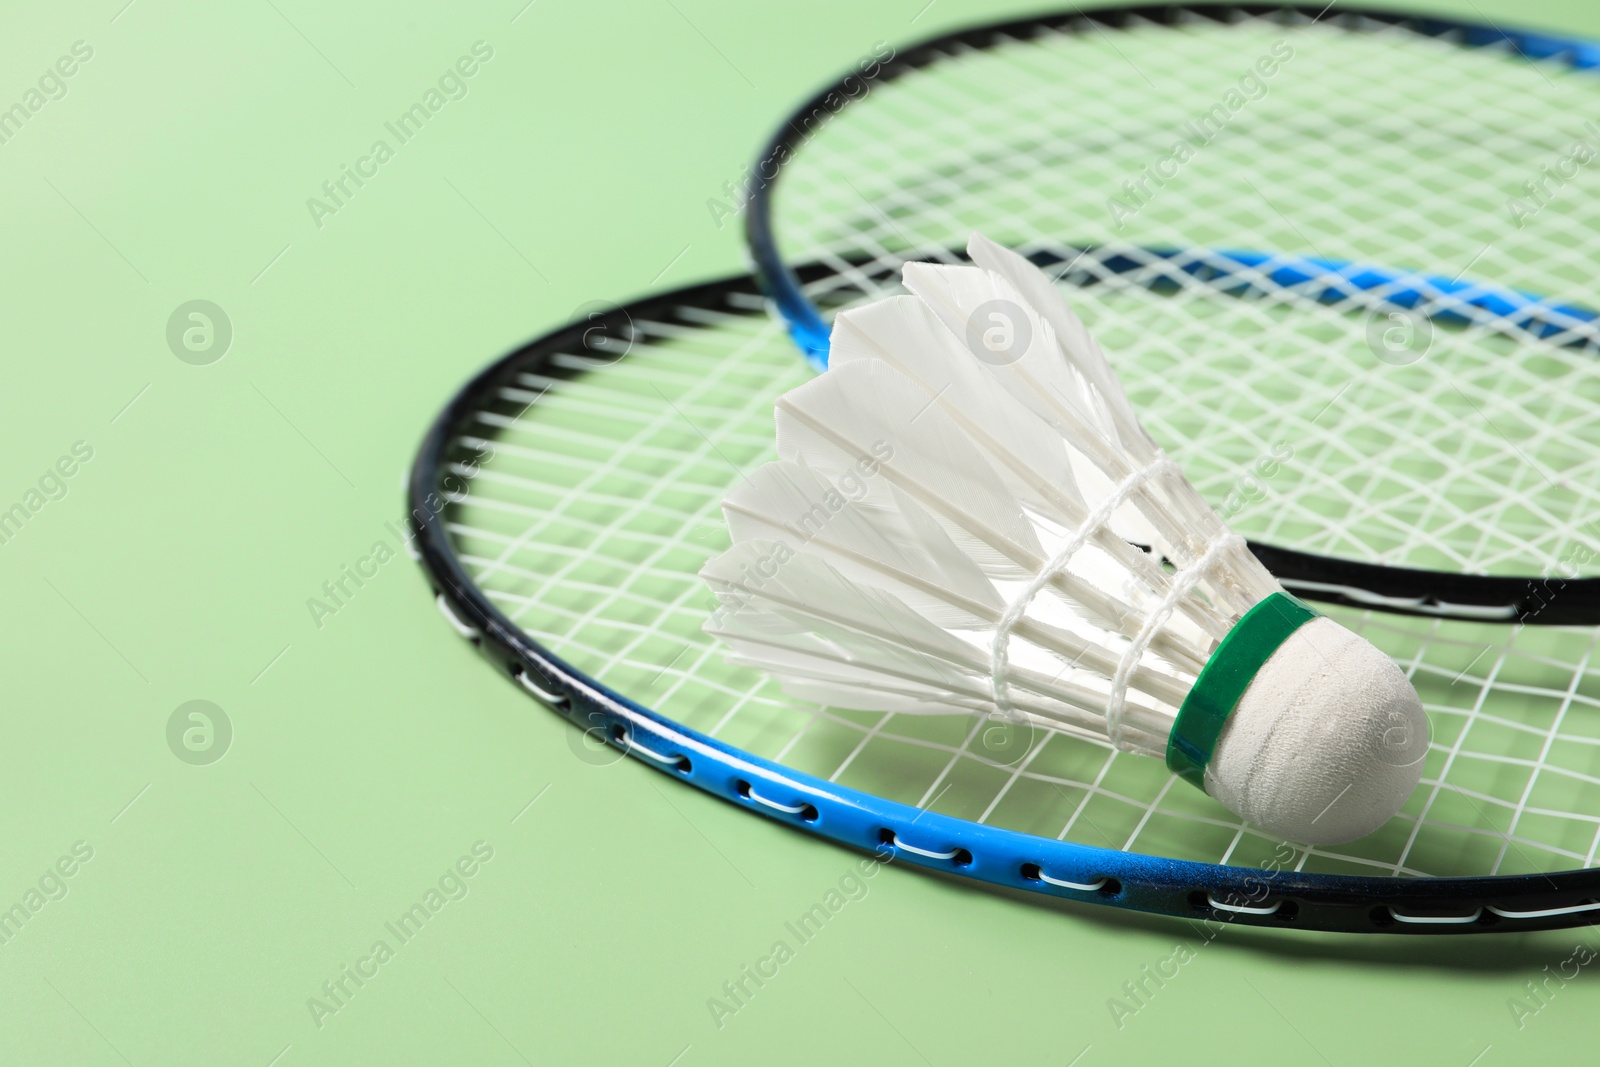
column 1059, row 869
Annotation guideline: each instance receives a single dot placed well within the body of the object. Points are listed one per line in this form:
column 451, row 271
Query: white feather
column 898, row 557
column 1055, row 383
column 1030, row 456
column 903, row 332
column 900, row 550
column 1071, row 334
column 1035, row 372
column 911, row 557
column 808, row 622
column 865, row 414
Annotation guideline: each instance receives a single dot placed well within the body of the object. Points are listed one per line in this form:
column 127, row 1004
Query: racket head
column 1331, row 259
column 565, row 499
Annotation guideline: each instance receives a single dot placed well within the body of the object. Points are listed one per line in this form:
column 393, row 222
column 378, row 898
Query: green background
column 370, row 753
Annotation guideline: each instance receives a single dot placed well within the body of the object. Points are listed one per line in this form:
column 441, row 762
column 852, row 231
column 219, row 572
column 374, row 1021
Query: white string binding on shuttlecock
column 999, row 657
column 1183, row 582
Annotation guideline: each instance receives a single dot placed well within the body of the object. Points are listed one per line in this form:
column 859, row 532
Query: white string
column 999, row 656
column 1182, row 584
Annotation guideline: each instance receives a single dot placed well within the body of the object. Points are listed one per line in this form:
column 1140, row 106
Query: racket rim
column 1069, row 870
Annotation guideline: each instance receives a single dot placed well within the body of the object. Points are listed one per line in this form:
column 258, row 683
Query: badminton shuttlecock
column 968, row 516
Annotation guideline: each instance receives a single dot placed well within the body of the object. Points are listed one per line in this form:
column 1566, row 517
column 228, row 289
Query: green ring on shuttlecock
column 1259, row 633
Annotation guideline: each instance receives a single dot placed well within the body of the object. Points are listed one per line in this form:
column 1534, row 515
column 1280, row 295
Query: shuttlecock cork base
column 1301, row 727
column 966, row 516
